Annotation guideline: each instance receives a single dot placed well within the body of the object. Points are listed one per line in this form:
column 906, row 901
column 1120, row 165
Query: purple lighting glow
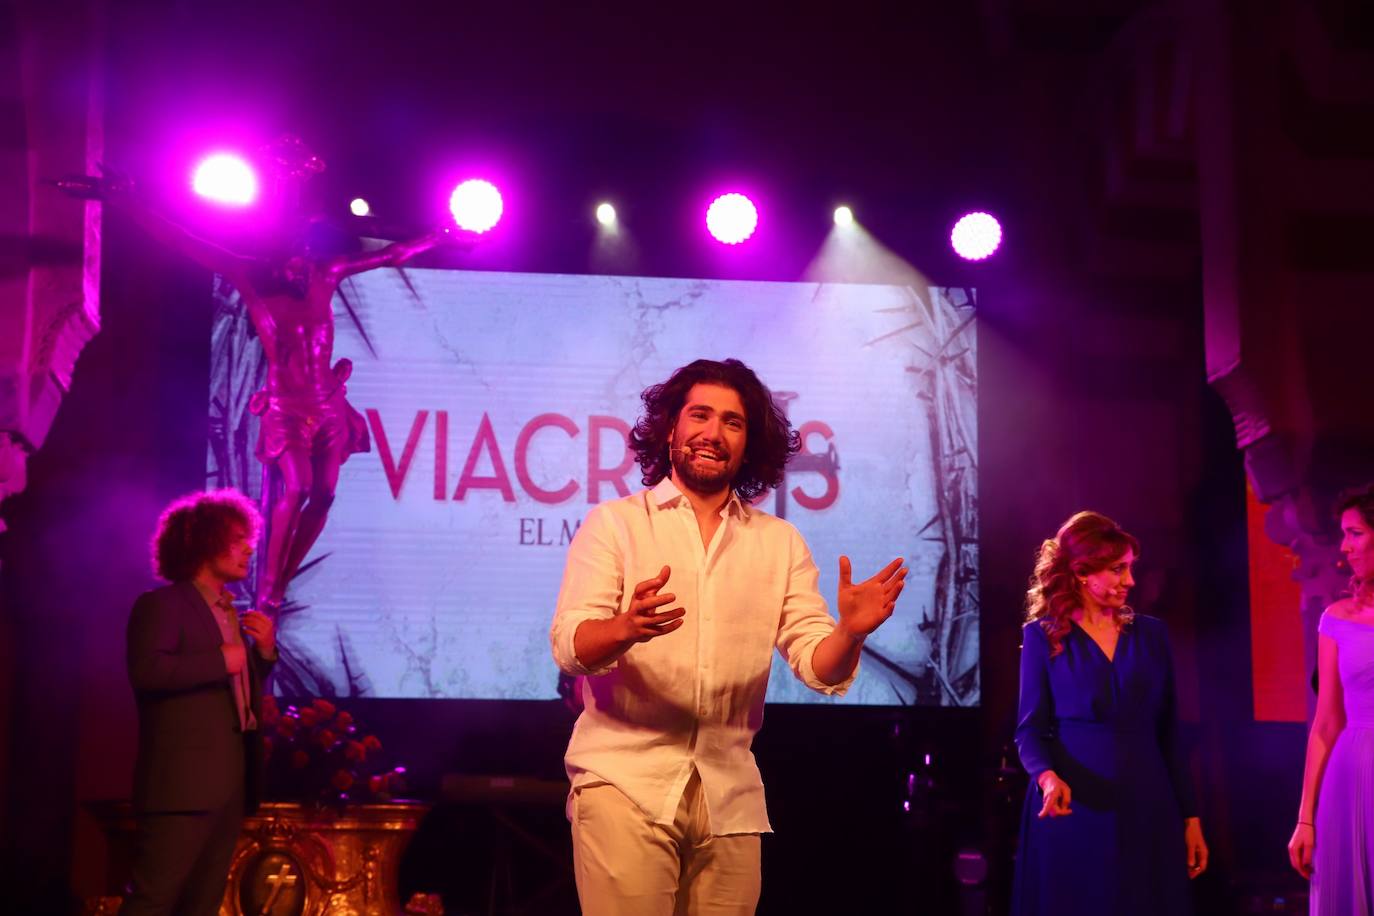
column 732, row 218
column 976, row 236
column 476, row 205
column 226, row 179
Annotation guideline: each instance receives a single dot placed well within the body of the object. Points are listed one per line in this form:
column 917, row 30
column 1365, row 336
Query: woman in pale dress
column 1333, row 842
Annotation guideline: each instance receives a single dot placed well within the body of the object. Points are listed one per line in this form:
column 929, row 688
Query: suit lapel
column 200, row 619
column 202, row 627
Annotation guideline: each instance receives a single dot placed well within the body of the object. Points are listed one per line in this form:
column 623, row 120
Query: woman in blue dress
column 1333, row 842
column 1110, row 823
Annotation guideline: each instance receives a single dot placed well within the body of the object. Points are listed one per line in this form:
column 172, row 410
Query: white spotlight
column 359, row 207
column 605, row 214
column 226, row 179
column 476, row 205
column 976, row 236
column 732, row 218
column 844, row 216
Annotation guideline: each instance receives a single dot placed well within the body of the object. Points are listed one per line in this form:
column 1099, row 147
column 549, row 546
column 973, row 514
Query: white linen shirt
column 693, row 697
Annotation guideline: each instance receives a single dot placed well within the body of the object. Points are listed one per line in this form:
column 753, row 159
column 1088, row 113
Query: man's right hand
column 642, row 622
column 235, row 657
column 597, row 643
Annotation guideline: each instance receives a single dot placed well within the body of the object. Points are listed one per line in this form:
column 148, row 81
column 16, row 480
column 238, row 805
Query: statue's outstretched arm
column 393, row 255
column 167, row 231
column 118, row 190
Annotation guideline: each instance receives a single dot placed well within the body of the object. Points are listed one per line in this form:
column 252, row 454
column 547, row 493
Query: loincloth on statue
column 312, row 423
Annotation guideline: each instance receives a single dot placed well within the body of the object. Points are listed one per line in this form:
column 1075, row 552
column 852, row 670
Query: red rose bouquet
column 317, row 755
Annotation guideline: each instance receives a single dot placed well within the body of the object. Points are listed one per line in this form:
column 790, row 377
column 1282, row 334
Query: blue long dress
column 1343, row 862
column 1109, row 730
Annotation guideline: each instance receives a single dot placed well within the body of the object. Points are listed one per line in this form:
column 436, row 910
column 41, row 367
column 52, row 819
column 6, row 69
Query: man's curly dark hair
column 197, row 528
column 769, row 439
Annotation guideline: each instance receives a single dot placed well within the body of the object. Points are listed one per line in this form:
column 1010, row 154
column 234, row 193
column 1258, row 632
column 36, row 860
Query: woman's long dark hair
column 770, row 441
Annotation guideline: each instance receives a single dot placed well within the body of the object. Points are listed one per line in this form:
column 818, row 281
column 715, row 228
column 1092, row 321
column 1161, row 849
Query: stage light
column 226, row 179
column 476, row 205
column 732, row 218
column 359, row 207
column 605, row 214
column 844, row 216
column 976, row 236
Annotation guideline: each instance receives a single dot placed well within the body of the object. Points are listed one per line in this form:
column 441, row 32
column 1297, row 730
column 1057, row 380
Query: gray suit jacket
column 191, row 751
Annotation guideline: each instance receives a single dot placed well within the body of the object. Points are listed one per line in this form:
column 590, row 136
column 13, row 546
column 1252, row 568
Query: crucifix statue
column 307, row 428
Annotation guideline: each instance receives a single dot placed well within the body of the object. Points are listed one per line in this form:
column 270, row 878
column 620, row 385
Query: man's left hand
column 865, row 606
column 259, row 626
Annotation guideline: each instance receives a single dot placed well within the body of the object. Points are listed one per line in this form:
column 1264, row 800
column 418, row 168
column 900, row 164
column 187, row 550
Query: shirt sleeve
column 805, row 621
column 592, row 589
column 1035, row 711
column 1169, row 743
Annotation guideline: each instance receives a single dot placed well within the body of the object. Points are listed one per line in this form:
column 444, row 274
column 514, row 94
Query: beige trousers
column 627, row 865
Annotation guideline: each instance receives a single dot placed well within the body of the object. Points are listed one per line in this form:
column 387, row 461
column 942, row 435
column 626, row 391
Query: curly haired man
column 196, row 668
column 667, row 805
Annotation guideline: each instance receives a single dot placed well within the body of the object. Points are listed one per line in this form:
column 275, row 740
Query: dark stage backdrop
column 499, row 406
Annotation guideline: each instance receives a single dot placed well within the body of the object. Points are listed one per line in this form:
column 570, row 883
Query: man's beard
column 706, row 483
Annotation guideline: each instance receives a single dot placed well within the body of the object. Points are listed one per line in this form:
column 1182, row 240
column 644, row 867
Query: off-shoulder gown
column 1343, row 862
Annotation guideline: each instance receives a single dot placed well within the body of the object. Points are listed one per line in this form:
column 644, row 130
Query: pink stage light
column 976, row 236
column 476, row 205
column 732, row 218
column 226, row 179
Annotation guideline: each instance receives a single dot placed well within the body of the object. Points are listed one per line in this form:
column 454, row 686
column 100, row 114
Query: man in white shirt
column 667, row 805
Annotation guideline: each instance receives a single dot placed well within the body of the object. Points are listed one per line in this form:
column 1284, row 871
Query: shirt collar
column 224, row 601
column 666, row 493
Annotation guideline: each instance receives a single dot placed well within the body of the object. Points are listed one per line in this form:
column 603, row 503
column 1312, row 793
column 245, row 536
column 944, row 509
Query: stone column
column 51, row 124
